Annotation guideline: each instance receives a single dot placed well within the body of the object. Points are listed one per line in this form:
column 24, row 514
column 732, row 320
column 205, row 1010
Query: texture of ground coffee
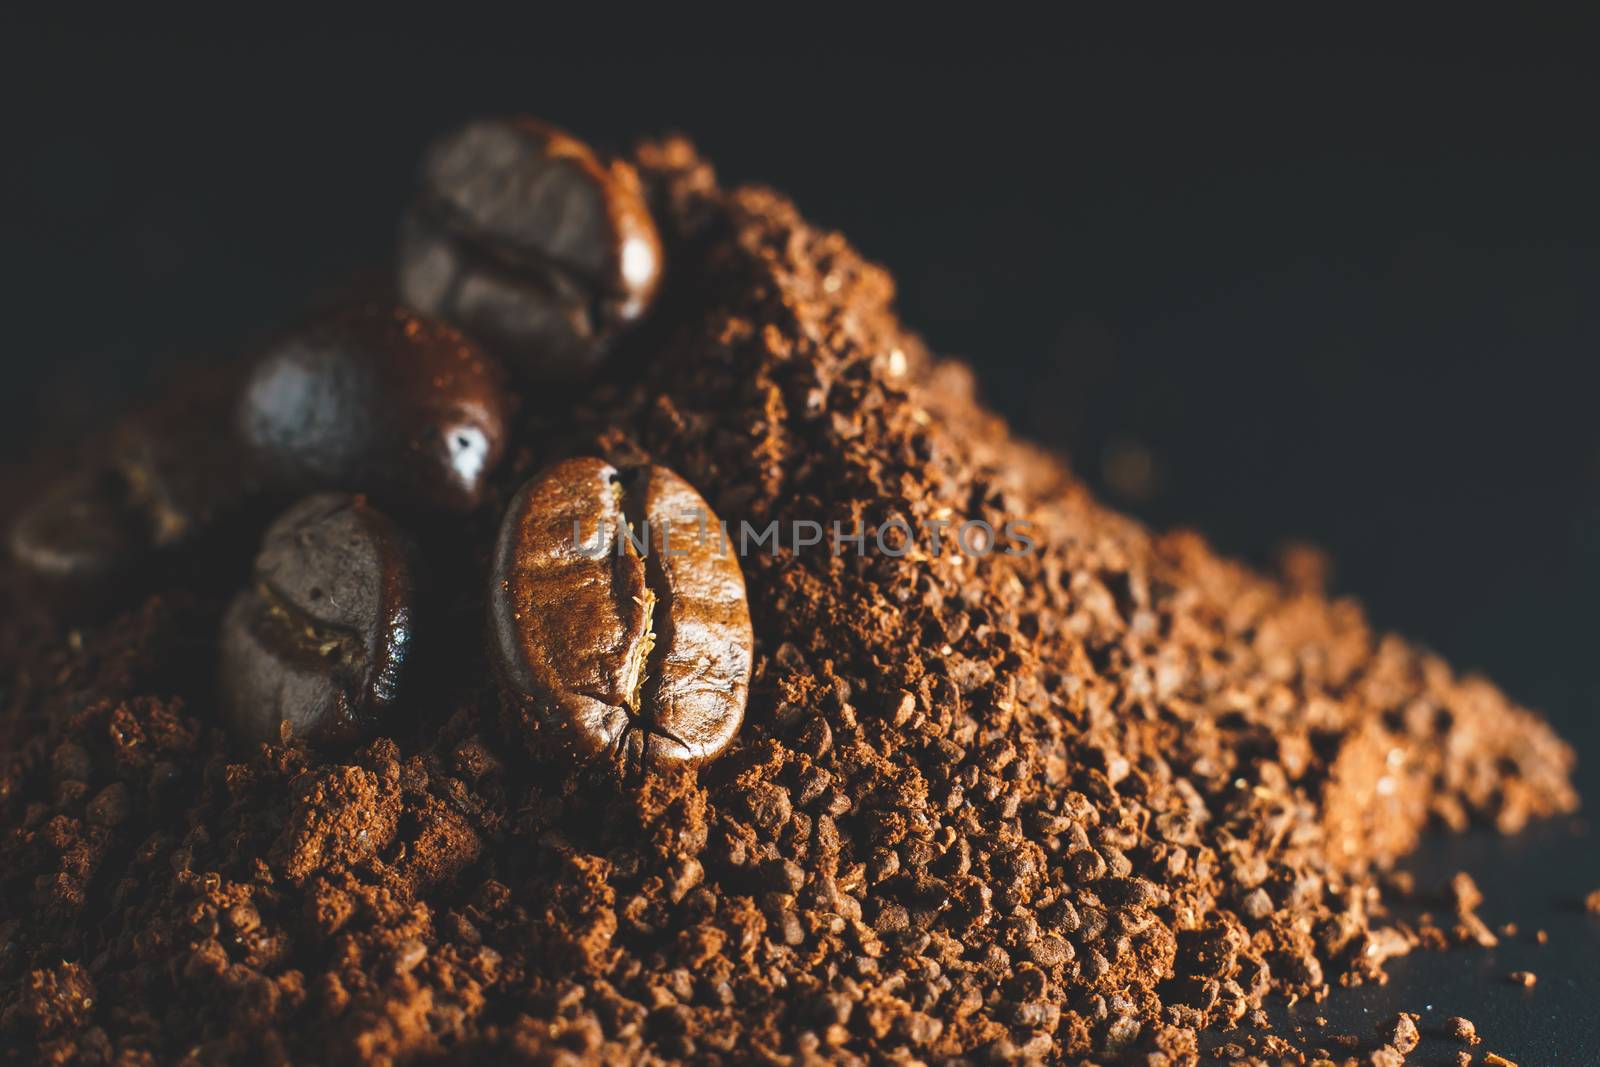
column 1092, row 803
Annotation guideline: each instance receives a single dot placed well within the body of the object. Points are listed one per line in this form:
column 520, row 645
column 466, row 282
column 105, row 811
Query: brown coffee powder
column 1090, row 803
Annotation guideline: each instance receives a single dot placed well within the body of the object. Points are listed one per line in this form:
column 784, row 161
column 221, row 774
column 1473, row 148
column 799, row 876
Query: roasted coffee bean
column 527, row 241
column 376, row 399
column 628, row 642
column 83, row 526
column 154, row 482
column 320, row 639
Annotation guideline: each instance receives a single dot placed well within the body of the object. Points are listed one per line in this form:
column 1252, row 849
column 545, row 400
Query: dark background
column 1332, row 286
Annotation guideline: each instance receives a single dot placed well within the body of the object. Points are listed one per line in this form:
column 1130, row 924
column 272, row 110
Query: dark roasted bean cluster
column 521, row 260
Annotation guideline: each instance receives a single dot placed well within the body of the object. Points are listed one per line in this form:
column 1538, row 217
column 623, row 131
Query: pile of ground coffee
column 1090, row 802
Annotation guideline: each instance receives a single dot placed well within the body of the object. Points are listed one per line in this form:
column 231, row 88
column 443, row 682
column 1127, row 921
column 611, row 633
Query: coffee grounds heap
column 1094, row 802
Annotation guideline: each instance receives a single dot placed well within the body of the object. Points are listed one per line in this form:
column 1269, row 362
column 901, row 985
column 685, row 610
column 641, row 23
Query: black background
column 1334, row 284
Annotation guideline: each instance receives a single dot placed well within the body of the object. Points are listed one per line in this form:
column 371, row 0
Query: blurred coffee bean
column 321, row 638
column 523, row 238
column 183, row 462
column 83, row 526
column 376, row 399
column 635, row 649
column 155, row 481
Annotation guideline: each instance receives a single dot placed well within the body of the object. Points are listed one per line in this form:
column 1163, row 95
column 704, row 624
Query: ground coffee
column 1090, row 798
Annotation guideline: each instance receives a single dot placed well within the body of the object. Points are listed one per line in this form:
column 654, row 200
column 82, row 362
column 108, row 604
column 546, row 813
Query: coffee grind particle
column 1462, row 1030
column 1400, row 1032
column 1094, row 796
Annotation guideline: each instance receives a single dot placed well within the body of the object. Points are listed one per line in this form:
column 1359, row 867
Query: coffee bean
column 376, row 399
column 81, row 527
column 155, row 481
column 320, row 639
column 526, row 240
column 633, row 648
